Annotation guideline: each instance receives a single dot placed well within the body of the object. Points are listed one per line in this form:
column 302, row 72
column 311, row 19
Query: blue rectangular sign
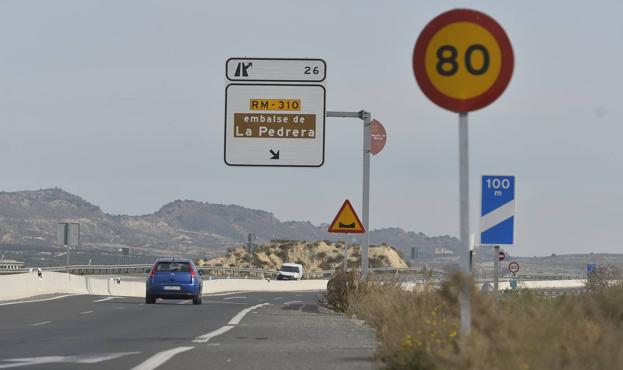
column 497, row 211
column 591, row 268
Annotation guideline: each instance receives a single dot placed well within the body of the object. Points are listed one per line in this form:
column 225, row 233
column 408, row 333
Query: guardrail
column 223, row 271
column 391, row 272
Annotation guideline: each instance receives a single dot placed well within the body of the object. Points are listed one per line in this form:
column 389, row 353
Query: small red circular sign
column 513, row 267
column 463, row 60
column 501, row 255
column 378, row 137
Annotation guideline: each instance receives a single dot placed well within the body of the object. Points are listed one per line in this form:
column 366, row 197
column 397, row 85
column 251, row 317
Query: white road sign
column 274, row 125
column 276, row 70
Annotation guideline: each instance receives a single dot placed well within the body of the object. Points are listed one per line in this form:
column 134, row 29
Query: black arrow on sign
column 275, row 155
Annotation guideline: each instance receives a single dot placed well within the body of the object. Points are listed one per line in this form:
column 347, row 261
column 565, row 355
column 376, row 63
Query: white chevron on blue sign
column 497, row 211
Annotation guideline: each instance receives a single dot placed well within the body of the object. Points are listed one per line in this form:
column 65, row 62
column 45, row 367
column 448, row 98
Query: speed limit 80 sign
column 463, row 60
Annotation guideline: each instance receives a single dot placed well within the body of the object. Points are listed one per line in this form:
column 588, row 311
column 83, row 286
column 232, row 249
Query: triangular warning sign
column 346, row 221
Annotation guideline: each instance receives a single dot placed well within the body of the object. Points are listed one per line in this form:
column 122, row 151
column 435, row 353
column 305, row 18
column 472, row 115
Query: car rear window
column 289, row 269
column 173, row 267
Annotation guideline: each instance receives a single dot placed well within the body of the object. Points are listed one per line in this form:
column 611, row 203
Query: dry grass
column 419, row 330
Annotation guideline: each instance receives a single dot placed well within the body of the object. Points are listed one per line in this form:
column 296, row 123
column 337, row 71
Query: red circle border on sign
column 477, row 102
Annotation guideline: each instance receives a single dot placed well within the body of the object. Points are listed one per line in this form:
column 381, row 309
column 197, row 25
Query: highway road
column 229, row 331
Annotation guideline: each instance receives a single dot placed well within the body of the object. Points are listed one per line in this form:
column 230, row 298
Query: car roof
column 173, row 259
column 292, row 264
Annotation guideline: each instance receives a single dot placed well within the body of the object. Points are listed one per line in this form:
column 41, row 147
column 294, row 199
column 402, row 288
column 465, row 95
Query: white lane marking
column 105, row 299
column 222, row 302
column 292, row 302
column 119, row 308
column 206, row 337
column 78, row 359
column 219, row 294
column 40, row 300
column 86, row 312
column 230, row 325
column 236, row 319
column 236, row 297
column 276, row 298
column 298, row 295
column 184, row 302
column 160, row 358
column 41, row 323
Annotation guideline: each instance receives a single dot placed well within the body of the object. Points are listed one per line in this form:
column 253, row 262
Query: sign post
column 463, row 61
column 346, row 221
column 68, row 235
column 367, row 133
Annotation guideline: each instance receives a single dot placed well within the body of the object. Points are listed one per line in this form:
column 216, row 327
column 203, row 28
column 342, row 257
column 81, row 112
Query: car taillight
column 153, row 271
column 192, row 274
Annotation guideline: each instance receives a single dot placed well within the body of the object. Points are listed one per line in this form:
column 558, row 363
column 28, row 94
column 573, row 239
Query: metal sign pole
column 496, row 271
column 365, row 213
column 346, row 253
column 464, row 299
column 365, row 238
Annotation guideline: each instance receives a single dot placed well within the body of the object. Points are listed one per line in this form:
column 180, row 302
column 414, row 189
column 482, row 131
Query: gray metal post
column 67, row 262
column 496, row 271
column 346, row 253
column 365, row 238
column 464, row 299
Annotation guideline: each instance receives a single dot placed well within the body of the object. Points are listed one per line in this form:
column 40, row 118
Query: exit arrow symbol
column 274, row 155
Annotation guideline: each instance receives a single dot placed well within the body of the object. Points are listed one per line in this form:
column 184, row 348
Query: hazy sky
column 121, row 102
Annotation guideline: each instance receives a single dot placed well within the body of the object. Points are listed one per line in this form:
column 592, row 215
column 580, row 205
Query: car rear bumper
column 186, row 290
column 286, row 277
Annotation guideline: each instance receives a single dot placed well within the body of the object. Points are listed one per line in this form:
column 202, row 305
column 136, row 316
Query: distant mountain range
column 188, row 227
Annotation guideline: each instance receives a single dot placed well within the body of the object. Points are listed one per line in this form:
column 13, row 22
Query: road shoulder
column 294, row 334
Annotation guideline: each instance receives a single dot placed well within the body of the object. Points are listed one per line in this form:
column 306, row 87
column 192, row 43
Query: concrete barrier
column 26, row 285
column 234, row 285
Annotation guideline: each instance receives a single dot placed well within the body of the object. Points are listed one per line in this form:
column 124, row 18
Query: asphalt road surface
column 229, row 331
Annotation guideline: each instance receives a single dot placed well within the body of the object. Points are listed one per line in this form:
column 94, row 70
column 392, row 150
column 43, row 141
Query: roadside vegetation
column 420, row 329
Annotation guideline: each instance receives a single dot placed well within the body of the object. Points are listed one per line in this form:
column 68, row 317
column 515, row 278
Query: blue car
column 173, row 278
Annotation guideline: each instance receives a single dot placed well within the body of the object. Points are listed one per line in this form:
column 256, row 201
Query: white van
column 290, row 271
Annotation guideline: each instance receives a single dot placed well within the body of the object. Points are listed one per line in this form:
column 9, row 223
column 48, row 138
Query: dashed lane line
column 239, row 297
column 293, row 302
column 86, row 312
column 186, row 301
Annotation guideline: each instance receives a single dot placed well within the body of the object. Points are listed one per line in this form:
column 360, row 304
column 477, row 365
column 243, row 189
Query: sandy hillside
column 313, row 256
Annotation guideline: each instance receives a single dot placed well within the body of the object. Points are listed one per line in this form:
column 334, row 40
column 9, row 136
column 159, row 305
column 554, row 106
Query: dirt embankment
column 314, row 256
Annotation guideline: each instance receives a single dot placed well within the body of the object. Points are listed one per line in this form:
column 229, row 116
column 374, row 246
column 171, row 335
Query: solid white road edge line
column 184, row 302
column 41, row 323
column 235, row 298
column 40, row 300
column 160, row 358
column 236, row 319
column 230, row 325
column 105, row 299
column 206, row 337
column 219, row 294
